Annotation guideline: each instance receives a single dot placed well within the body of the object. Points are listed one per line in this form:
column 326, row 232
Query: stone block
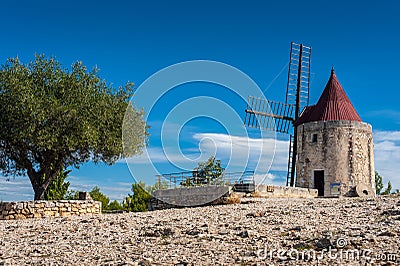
column 19, row 216
column 39, row 205
column 84, row 196
column 48, row 213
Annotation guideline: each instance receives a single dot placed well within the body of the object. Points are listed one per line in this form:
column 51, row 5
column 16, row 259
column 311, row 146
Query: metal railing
column 195, row 179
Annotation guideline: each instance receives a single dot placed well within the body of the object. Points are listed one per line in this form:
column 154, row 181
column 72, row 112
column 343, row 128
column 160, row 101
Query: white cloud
column 387, row 152
column 387, row 156
column 15, row 189
column 241, row 150
column 238, row 148
column 237, row 153
column 156, row 155
column 392, row 136
column 267, row 178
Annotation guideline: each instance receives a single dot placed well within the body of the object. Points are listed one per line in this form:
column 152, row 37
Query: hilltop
column 255, row 232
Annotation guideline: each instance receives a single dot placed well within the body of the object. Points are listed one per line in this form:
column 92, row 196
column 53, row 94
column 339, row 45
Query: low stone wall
column 44, row 208
column 192, row 196
column 272, row 191
column 189, row 197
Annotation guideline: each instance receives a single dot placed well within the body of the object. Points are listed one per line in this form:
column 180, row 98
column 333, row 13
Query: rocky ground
column 256, row 232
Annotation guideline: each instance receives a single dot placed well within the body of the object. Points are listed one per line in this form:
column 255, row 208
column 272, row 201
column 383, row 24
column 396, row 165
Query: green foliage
column 52, row 118
column 96, row 195
column 114, row 206
column 160, row 184
column 388, row 189
column 205, row 173
column 58, row 187
column 378, row 183
column 138, row 201
column 71, row 195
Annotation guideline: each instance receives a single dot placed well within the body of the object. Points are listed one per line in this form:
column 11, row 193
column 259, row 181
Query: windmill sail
column 298, row 84
column 269, row 115
column 279, row 116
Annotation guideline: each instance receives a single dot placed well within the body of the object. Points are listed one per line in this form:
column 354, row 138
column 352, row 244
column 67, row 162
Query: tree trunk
column 39, row 186
column 39, row 192
column 41, row 179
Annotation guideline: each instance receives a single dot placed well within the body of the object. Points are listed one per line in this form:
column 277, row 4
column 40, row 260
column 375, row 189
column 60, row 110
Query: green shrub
column 96, row 195
column 138, row 201
column 58, row 188
column 114, row 206
column 379, row 185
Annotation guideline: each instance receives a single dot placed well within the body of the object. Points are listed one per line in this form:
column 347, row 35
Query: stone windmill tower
column 334, row 147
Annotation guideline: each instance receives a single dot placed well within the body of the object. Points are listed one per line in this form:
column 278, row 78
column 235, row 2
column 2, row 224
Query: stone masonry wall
column 342, row 149
column 43, row 208
column 274, row 191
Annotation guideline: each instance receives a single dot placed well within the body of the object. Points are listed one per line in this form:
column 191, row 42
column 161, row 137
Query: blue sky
column 131, row 41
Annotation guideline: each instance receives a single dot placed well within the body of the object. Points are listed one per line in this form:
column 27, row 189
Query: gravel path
column 255, row 232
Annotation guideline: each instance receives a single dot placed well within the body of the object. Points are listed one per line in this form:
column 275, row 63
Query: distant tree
column 52, row 118
column 207, row 172
column 96, row 195
column 58, row 188
column 378, row 183
column 71, row 195
column 138, row 201
column 114, row 205
column 388, row 189
column 161, row 184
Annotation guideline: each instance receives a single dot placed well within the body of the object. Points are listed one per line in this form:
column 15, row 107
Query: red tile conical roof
column 333, row 105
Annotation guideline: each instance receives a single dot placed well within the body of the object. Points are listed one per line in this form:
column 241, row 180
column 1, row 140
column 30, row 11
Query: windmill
column 280, row 116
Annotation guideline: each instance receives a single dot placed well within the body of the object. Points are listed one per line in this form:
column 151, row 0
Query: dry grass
column 232, row 199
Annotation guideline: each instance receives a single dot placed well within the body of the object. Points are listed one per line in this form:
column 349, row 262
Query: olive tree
column 205, row 173
column 53, row 118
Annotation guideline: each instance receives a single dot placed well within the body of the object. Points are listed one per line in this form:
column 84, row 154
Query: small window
column 314, row 138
